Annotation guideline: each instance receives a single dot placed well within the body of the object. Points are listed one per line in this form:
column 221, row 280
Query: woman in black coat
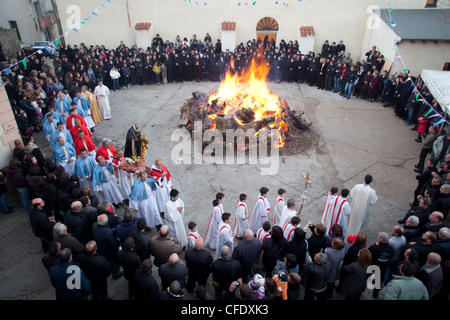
column 273, row 250
column 353, row 280
column 298, row 247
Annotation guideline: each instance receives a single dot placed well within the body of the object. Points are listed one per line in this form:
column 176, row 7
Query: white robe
column 192, row 237
column 163, row 192
column 288, row 231
column 111, row 191
column 174, row 220
column 286, row 216
column 241, row 221
column 224, row 238
column 213, row 226
column 126, row 180
column 279, row 204
column 363, row 197
column 102, row 95
column 339, row 211
column 259, row 214
column 326, row 209
column 262, row 235
column 88, row 118
column 147, row 208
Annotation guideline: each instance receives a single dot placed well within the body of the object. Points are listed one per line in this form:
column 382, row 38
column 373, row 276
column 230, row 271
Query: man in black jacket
column 247, row 252
column 141, row 242
column 77, row 224
column 97, row 269
column 130, row 261
column 225, row 271
column 41, row 223
column 198, row 262
column 146, row 287
column 173, row 270
column 107, row 244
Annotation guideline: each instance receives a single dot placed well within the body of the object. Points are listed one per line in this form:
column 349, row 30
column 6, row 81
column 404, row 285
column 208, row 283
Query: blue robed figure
column 143, row 200
column 138, row 190
column 56, row 117
column 65, row 105
column 55, row 135
column 85, row 104
column 84, row 167
column 47, row 128
column 104, row 182
column 62, row 154
column 99, row 176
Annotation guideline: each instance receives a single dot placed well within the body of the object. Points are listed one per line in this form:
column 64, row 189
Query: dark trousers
column 311, row 294
column 423, row 155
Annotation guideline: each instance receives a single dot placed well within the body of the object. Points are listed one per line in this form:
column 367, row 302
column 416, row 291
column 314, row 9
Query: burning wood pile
column 244, row 102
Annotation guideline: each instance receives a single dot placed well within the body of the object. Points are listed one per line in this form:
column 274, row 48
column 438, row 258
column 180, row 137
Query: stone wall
column 10, row 42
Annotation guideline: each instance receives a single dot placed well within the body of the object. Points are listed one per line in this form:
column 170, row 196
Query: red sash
column 209, row 224
column 280, row 199
column 193, row 235
column 264, row 206
column 339, row 213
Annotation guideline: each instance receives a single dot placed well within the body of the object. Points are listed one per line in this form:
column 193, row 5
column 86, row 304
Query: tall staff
column 307, row 182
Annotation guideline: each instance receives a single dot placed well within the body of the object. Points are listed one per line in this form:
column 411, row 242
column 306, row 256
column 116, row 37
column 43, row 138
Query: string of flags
column 419, row 96
column 249, row 3
column 54, row 43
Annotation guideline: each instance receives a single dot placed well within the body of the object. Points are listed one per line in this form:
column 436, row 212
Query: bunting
column 419, row 96
column 55, row 42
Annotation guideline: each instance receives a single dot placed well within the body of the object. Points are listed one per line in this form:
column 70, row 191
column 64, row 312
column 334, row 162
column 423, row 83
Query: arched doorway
column 267, row 28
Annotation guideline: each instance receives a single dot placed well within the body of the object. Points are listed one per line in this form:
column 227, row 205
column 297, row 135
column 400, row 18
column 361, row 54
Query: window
column 431, row 4
column 13, row 25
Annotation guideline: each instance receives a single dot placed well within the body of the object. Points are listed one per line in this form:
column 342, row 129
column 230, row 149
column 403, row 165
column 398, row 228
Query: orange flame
column 249, row 90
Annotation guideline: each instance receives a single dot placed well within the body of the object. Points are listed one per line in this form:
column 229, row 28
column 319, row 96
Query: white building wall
column 333, row 20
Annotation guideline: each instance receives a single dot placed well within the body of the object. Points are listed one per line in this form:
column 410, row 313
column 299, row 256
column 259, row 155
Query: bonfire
column 244, row 101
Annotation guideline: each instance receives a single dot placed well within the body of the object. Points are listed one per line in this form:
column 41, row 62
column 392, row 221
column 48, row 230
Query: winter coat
column 403, row 288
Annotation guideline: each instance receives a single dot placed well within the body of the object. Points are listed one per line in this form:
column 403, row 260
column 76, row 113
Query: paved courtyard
column 356, row 137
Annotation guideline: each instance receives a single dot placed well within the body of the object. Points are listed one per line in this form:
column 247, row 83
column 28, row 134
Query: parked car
column 40, row 45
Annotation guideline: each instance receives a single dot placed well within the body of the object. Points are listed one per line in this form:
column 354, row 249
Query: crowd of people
column 267, row 254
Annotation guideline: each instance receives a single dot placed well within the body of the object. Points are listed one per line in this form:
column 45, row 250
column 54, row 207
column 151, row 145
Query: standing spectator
column 315, row 277
column 353, row 280
column 77, row 224
column 298, row 247
column 173, row 270
column 18, row 178
column 224, row 272
column 404, row 286
column 162, row 246
column 199, row 263
column 247, row 252
column 125, row 226
column 431, row 274
column 141, row 242
column 107, row 244
column 335, row 256
column 66, row 240
column 130, row 261
column 272, row 250
column 41, row 223
column 97, row 270
column 146, row 287
column 59, row 277
column 3, row 190
column 51, row 258
column 382, row 254
column 317, row 240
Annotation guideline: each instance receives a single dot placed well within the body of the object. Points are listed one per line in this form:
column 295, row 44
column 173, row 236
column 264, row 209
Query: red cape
column 69, row 125
column 80, row 145
column 103, row 152
column 158, row 174
column 74, row 132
